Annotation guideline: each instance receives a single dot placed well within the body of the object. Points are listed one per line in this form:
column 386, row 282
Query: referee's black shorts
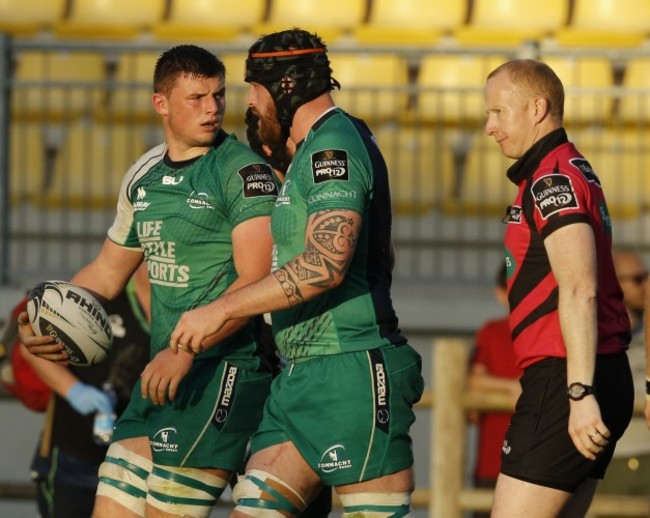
column 538, row 448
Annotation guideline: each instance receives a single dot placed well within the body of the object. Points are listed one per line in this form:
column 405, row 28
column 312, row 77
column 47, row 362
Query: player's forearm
column 321, row 267
column 572, row 253
column 301, row 282
column 234, row 324
column 285, row 287
column 578, row 320
column 279, row 290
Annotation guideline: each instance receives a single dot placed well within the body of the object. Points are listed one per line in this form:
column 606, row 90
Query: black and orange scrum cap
column 293, row 66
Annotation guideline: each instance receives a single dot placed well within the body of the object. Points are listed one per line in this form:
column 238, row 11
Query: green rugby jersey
column 181, row 215
column 338, row 166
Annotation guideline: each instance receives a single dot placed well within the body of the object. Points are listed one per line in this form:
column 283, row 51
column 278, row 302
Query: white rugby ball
column 74, row 317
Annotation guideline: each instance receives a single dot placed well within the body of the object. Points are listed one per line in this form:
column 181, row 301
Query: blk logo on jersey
column 331, row 164
column 513, row 214
column 554, row 193
column 258, row 181
column 585, row 168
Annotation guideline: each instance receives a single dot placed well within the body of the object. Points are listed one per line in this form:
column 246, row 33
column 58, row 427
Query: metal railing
column 67, row 138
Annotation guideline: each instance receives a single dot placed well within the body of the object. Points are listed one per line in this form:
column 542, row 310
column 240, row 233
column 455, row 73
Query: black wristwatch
column 577, row 391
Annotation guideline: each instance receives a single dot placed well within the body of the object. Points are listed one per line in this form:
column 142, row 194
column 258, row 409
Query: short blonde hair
column 537, row 78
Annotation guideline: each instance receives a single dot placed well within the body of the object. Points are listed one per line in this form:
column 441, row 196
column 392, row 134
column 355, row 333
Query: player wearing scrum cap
column 341, row 411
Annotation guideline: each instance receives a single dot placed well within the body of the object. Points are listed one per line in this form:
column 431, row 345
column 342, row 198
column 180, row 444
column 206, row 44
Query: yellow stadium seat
column 450, row 87
column 110, row 19
column 587, row 84
column 58, row 85
column 512, row 22
column 27, row 170
column 621, row 160
column 606, row 23
column 236, row 89
column 211, row 20
column 90, row 164
column 410, row 22
column 331, row 19
column 482, row 185
column 30, row 17
column 373, row 86
column 634, row 104
column 420, row 163
column 129, row 99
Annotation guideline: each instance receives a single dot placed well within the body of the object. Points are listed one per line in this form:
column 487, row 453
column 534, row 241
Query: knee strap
column 183, row 491
column 123, row 478
column 262, row 495
column 376, row 505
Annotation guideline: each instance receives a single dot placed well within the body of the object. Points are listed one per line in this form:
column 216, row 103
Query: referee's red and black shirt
column 556, row 187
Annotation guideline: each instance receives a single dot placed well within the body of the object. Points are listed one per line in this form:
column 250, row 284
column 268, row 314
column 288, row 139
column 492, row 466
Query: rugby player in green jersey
column 279, row 158
column 197, row 210
column 340, row 412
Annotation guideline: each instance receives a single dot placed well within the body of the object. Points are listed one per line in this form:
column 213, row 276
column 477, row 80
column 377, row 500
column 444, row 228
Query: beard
column 270, row 133
column 270, row 130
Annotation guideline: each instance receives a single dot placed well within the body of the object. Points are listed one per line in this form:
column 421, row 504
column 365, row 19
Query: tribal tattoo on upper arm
column 331, row 238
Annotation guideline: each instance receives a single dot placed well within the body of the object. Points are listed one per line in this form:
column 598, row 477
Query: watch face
column 576, row 391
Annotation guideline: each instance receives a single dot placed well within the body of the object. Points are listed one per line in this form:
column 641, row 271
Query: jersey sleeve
column 560, row 198
column 339, row 178
column 121, row 231
column 250, row 186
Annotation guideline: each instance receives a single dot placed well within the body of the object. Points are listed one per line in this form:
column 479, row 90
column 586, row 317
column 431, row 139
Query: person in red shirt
column 570, row 328
column 493, row 369
column 629, row 471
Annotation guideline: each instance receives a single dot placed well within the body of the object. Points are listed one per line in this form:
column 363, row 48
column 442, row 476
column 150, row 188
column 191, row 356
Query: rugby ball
column 74, row 317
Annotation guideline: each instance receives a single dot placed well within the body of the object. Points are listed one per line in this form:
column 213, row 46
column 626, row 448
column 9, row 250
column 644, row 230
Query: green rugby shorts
column 218, row 406
column 348, row 414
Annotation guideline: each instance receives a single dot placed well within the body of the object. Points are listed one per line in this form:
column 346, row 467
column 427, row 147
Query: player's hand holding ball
column 65, row 324
column 42, row 346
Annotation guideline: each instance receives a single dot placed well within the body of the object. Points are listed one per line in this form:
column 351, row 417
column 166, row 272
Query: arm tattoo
column 289, row 286
column 334, row 234
column 331, row 241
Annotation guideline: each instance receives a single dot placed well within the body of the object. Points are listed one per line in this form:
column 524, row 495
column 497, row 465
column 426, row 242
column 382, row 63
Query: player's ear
column 541, row 107
column 159, row 102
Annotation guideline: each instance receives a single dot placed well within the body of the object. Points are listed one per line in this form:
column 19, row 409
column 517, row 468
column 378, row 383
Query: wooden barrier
column 447, row 427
